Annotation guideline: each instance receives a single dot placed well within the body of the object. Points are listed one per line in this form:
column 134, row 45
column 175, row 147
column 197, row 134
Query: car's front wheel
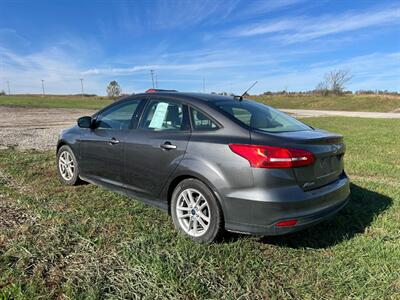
column 195, row 211
column 67, row 166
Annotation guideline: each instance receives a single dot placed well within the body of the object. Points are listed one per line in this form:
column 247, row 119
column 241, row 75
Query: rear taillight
column 273, row 157
column 287, row 223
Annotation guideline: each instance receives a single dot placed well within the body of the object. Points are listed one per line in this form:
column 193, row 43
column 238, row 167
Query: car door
column 101, row 147
column 155, row 148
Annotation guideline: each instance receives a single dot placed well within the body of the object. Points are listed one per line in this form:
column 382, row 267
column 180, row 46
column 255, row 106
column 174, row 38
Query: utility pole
column 152, row 77
column 204, row 84
column 43, row 87
column 8, row 87
column 156, row 82
column 81, row 86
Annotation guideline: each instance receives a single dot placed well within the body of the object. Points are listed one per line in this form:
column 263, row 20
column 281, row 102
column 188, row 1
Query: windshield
column 260, row 116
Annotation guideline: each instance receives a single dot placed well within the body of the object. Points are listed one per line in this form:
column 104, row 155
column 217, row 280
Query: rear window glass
column 261, row 117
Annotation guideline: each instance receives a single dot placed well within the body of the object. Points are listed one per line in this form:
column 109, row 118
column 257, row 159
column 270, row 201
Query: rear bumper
column 259, row 216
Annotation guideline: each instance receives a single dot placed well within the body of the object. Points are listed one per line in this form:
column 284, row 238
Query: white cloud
column 263, row 6
column 166, row 14
column 55, row 66
column 307, row 28
column 171, row 67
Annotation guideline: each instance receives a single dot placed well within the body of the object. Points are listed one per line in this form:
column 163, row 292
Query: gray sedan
column 213, row 162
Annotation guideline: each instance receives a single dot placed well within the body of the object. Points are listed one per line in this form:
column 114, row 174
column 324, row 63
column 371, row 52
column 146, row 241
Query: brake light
column 287, row 223
column 273, row 157
column 151, row 91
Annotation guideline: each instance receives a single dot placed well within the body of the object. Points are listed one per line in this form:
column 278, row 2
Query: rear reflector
column 273, row 157
column 287, row 223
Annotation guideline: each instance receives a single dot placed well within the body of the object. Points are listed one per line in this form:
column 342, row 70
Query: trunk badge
column 335, row 148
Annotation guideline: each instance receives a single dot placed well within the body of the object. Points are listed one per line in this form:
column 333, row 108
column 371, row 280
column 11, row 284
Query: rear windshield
column 260, row 116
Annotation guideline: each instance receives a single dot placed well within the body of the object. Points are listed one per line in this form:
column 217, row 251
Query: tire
column 65, row 154
column 192, row 204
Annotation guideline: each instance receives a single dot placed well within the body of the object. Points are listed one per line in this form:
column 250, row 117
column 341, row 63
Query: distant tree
column 334, row 82
column 322, row 88
column 113, row 89
column 2, row 93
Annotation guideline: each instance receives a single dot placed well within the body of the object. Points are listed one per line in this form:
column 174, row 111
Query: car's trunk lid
column 328, row 149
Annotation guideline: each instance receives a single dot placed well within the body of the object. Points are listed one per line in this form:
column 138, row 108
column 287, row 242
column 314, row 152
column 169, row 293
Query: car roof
column 202, row 97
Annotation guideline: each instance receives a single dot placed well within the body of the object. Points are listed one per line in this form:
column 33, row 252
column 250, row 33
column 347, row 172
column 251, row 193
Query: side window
column 117, row 117
column 201, row 121
column 163, row 115
column 239, row 113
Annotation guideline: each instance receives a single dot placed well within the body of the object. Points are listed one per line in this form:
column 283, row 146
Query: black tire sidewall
column 75, row 179
column 216, row 220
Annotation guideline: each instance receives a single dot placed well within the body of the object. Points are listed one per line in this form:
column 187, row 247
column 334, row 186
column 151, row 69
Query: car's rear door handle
column 168, row 146
column 113, row 141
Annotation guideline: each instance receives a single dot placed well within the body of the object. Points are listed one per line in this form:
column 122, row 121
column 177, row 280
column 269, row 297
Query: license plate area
column 328, row 165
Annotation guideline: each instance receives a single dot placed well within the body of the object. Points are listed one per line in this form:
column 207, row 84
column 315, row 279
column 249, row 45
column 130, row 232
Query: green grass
column 373, row 103
column 94, row 102
column 85, row 242
column 349, row 102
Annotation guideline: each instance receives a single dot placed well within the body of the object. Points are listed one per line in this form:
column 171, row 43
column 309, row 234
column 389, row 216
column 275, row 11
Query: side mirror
column 85, row 122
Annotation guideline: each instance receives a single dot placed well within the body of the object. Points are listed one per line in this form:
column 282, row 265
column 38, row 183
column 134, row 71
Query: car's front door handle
column 113, row 141
column 168, row 146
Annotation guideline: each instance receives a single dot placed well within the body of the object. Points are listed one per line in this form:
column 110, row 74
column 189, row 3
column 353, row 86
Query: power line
column 81, row 79
column 43, row 87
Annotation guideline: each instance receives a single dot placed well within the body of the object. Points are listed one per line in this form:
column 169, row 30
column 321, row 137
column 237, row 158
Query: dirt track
column 38, row 128
column 35, row 128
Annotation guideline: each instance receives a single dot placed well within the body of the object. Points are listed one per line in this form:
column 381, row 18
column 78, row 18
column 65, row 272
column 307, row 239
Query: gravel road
column 38, row 128
column 35, row 128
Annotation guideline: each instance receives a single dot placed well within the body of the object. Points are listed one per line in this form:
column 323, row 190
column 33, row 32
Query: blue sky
column 286, row 44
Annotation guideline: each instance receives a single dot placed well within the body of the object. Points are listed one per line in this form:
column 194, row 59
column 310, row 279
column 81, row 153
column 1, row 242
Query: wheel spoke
column 204, row 217
column 201, row 207
column 191, row 197
column 186, row 199
column 195, row 226
column 202, row 224
column 198, row 200
column 183, row 208
column 190, row 224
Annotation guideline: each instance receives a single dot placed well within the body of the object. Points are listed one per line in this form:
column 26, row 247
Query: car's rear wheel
column 195, row 211
column 67, row 166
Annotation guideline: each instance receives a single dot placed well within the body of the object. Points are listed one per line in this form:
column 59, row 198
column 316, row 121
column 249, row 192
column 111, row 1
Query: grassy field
column 85, row 242
column 349, row 102
column 55, row 101
column 378, row 103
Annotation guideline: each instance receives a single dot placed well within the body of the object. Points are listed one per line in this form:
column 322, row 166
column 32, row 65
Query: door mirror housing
column 85, row 122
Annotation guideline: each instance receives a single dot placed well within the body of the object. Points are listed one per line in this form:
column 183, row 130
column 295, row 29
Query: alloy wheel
column 66, row 165
column 193, row 212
